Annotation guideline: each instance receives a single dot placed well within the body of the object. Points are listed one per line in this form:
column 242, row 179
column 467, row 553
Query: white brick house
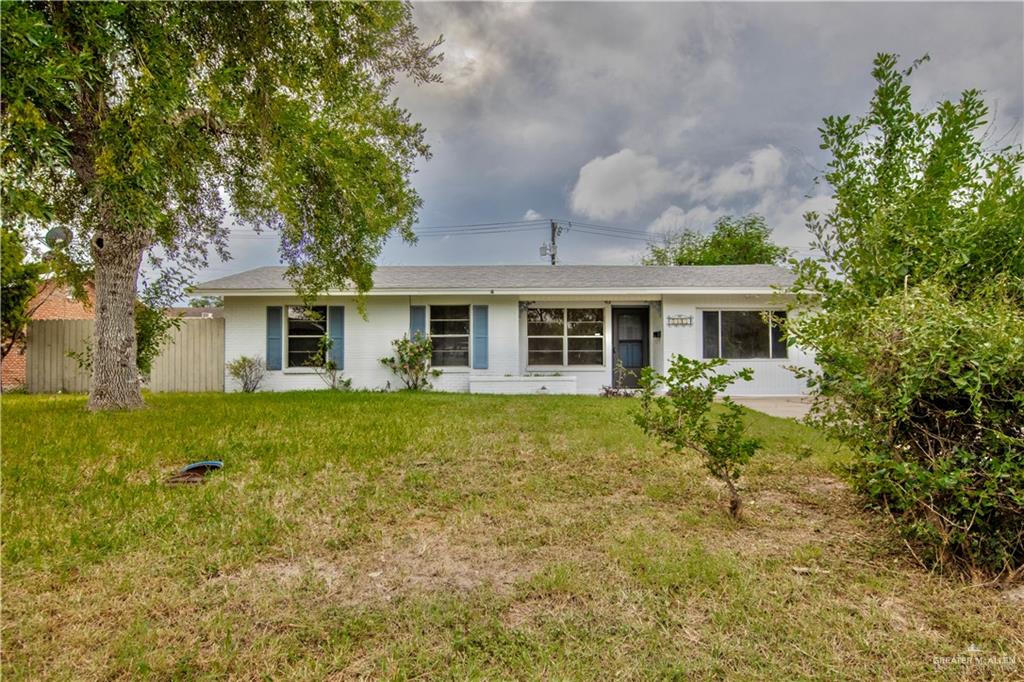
column 516, row 329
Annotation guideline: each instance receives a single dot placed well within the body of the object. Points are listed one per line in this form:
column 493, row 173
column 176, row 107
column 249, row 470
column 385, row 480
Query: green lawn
column 451, row 536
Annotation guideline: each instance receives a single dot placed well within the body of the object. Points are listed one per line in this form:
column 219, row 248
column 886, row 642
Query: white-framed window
column 306, row 326
column 744, row 334
column 564, row 336
column 449, row 332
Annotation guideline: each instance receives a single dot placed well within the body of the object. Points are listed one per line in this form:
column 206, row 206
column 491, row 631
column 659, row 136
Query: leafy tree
column 733, row 241
column 206, row 302
column 920, row 334
column 680, row 416
column 19, row 282
column 128, row 122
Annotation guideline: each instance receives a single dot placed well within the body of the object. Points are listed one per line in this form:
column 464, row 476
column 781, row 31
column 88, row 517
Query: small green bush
column 681, row 417
column 248, row 372
column 411, row 361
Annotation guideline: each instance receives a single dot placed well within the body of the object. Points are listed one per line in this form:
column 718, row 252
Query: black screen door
column 629, row 345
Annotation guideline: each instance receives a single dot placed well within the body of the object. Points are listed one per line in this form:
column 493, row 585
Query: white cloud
column 532, row 215
column 674, row 219
column 612, row 186
column 763, row 169
column 784, row 210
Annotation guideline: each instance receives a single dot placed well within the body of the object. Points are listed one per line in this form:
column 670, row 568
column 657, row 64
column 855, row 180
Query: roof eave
column 512, row 291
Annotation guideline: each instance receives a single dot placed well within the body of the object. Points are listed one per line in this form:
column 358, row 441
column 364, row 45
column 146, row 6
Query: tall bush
column 919, row 333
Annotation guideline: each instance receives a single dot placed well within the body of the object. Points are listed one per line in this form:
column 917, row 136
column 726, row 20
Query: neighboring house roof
column 192, row 311
column 54, row 301
column 394, row 280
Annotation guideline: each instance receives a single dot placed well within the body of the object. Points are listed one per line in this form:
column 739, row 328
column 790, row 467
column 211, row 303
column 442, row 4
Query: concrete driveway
column 793, row 408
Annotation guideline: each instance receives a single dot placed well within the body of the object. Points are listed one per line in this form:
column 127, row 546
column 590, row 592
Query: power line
column 510, row 230
column 512, row 227
column 499, row 223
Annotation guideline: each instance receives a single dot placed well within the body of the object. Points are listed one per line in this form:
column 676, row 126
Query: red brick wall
column 57, row 303
column 12, row 371
column 53, row 302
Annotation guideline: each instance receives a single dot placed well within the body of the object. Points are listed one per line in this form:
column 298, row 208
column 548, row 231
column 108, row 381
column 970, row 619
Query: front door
column 629, row 345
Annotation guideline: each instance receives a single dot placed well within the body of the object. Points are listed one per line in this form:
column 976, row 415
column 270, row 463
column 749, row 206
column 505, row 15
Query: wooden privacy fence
column 192, row 360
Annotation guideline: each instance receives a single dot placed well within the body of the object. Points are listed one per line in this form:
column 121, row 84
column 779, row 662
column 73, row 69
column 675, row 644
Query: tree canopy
column 745, row 240
column 19, row 282
column 139, row 126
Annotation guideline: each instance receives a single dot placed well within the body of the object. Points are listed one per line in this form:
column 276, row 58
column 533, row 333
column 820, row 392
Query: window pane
column 586, row 314
column 586, row 329
column 307, row 321
column 586, row 343
column 744, row 334
column 585, row 321
column 545, row 343
column 586, row 357
column 545, row 322
column 299, row 358
column 710, row 323
column 449, row 312
column 303, row 343
column 544, row 358
column 451, row 343
column 449, row 326
column 450, row 358
column 544, row 351
column 779, row 347
column 451, row 351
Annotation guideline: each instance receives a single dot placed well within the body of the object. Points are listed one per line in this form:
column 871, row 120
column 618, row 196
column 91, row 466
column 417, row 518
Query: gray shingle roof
column 511, row 278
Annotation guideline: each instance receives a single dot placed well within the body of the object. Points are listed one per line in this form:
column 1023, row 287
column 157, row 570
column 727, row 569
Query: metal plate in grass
column 194, row 473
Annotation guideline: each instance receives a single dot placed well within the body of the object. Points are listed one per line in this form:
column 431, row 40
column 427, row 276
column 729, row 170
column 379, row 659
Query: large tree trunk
column 115, row 377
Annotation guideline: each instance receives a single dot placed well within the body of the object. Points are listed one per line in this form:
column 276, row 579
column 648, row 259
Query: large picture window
column 565, row 336
column 744, row 334
column 306, row 326
column 449, row 332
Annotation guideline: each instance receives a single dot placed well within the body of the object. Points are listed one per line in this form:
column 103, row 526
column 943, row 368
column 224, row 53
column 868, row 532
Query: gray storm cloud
column 653, row 117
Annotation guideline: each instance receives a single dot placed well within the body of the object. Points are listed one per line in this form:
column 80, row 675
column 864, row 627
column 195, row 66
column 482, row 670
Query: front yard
column 452, row 536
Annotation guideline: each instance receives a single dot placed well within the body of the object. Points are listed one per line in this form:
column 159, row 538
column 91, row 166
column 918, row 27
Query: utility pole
column 551, row 248
column 554, row 243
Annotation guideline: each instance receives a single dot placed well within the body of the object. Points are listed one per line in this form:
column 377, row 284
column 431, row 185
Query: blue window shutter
column 417, row 320
column 274, row 346
column 479, row 337
column 336, row 330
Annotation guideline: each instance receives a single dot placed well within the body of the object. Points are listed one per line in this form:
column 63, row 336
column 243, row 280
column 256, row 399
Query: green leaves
column 676, row 409
column 140, row 117
column 19, row 281
column 411, row 361
column 734, row 241
column 920, row 337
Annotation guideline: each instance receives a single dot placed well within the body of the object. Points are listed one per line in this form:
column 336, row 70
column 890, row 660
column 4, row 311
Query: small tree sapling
column 681, row 417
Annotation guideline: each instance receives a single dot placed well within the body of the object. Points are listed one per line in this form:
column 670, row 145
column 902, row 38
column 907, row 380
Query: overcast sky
column 652, row 117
